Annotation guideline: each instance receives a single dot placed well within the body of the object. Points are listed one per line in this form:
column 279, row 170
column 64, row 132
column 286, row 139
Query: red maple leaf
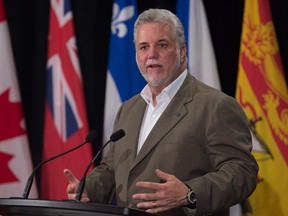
column 5, row 173
column 11, row 115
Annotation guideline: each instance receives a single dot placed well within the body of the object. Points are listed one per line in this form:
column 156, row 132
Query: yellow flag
column 262, row 93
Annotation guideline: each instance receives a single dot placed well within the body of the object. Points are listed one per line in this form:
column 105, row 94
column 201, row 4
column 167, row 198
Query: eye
column 162, row 45
column 143, row 47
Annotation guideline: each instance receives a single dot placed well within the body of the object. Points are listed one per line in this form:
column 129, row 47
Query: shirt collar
column 170, row 90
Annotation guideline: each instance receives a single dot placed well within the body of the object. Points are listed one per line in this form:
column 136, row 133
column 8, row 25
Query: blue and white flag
column 201, row 58
column 124, row 79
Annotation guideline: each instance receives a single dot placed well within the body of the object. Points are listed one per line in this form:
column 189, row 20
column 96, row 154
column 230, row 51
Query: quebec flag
column 124, row 79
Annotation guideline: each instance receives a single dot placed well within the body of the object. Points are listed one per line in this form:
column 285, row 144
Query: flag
column 15, row 159
column 124, row 79
column 262, row 92
column 65, row 112
column 201, row 58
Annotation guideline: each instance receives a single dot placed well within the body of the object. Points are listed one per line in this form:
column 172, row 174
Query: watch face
column 192, row 199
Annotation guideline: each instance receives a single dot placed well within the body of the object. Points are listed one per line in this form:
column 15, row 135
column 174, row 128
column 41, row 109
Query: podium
column 34, row 207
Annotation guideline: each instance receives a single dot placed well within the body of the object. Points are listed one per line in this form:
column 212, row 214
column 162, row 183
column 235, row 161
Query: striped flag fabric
column 263, row 94
column 15, row 159
column 201, row 58
column 124, row 79
column 65, row 113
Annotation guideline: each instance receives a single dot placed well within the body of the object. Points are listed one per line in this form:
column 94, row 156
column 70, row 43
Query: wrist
column 190, row 198
column 184, row 199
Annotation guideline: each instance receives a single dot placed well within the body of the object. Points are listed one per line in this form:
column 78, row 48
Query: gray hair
column 162, row 16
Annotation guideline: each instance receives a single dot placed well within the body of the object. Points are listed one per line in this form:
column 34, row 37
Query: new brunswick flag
column 262, row 93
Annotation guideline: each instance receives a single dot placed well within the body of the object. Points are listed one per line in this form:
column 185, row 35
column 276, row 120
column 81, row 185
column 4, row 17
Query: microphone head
column 117, row 135
column 91, row 136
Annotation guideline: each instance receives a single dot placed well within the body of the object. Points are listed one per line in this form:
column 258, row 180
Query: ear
column 183, row 54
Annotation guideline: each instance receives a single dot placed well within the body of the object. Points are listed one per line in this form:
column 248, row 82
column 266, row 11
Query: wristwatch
column 191, row 199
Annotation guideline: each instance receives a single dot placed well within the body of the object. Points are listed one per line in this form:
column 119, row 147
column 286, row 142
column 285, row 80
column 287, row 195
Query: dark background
column 28, row 22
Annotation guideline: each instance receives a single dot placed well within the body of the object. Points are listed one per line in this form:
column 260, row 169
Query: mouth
column 153, row 66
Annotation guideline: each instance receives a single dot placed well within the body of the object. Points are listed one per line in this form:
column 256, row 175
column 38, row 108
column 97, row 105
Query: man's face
column 158, row 55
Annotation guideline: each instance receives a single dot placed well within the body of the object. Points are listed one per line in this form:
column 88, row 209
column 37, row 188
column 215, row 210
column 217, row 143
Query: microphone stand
column 90, row 138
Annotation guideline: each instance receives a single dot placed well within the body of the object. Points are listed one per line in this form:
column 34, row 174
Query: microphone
column 90, row 138
column 113, row 138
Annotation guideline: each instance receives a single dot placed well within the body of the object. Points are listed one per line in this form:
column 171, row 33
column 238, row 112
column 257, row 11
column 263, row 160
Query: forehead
column 154, row 31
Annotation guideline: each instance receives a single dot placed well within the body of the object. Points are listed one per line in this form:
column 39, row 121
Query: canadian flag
column 15, row 159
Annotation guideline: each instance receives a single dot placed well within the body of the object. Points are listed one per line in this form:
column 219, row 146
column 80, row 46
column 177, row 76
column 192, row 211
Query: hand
column 73, row 187
column 167, row 195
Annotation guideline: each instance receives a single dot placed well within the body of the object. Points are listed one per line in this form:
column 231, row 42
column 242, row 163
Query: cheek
column 138, row 57
column 140, row 60
column 140, row 63
column 169, row 59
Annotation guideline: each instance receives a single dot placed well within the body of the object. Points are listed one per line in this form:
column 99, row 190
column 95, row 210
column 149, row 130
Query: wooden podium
column 34, row 207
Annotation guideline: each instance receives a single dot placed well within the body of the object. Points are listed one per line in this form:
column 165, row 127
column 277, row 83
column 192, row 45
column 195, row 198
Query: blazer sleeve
column 100, row 183
column 228, row 145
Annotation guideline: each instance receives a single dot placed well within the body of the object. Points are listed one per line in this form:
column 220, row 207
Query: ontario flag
column 15, row 160
column 262, row 92
column 124, row 80
column 65, row 113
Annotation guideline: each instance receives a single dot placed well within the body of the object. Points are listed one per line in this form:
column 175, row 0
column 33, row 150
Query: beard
column 157, row 82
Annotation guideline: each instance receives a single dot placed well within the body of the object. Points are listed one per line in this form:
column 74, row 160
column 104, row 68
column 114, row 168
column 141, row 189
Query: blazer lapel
column 135, row 130
column 170, row 117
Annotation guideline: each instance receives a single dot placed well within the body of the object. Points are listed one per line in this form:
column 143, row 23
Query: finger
column 85, row 199
column 152, row 206
column 71, row 196
column 157, row 210
column 150, row 185
column 69, row 175
column 147, row 205
column 163, row 175
column 72, row 188
column 145, row 196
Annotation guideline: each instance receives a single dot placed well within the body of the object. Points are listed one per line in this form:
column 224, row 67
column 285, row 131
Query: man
column 187, row 146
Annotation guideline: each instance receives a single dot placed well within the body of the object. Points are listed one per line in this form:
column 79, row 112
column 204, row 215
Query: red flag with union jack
column 65, row 113
column 15, row 159
column 262, row 92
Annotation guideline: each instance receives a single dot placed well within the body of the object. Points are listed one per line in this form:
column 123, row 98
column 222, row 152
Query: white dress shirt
column 152, row 114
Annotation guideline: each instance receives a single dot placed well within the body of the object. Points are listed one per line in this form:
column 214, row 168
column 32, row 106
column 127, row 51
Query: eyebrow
column 159, row 41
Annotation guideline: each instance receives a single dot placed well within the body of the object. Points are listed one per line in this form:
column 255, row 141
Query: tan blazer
column 202, row 138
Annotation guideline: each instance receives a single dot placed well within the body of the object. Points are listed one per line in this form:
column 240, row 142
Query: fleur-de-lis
column 118, row 26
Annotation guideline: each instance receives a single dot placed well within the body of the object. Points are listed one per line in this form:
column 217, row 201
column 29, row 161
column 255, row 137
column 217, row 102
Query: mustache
column 151, row 62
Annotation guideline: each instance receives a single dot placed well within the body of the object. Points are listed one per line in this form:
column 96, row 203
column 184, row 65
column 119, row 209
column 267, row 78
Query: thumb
column 69, row 175
column 165, row 177
column 162, row 175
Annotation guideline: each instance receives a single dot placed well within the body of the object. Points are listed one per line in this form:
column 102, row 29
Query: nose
column 152, row 54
